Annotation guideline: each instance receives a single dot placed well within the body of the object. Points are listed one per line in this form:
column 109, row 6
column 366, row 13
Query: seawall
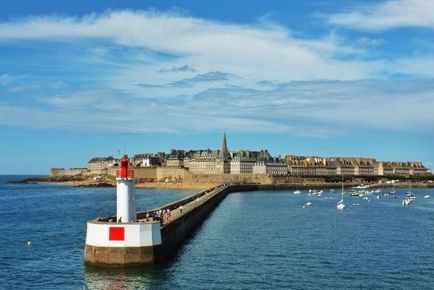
column 145, row 241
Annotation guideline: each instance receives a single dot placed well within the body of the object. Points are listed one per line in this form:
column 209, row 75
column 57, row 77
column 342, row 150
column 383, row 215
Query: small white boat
column 297, row 192
column 427, row 196
column 341, row 205
column 307, row 204
column 406, row 201
column 410, row 195
column 409, row 198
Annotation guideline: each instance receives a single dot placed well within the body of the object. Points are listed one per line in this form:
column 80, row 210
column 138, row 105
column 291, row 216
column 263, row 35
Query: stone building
column 242, row 161
column 273, row 166
column 208, row 161
column 205, row 162
column 99, row 165
column 174, row 161
column 364, row 167
column 400, row 169
column 352, row 166
column 242, row 165
column 145, row 160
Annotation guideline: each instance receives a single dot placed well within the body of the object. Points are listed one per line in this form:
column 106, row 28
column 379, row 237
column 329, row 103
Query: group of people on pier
column 161, row 215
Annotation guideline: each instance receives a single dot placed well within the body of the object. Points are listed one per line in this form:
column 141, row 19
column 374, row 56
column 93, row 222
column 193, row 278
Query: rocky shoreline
column 80, row 181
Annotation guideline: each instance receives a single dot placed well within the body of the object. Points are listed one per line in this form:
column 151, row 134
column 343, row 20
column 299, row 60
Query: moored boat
column 341, row 205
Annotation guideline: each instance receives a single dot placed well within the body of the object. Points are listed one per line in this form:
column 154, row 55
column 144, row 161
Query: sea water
column 252, row 240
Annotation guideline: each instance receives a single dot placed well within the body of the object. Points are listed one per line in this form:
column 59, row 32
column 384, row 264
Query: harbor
column 248, row 236
column 217, row 144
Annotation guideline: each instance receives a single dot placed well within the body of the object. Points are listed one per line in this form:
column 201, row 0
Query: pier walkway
column 182, row 207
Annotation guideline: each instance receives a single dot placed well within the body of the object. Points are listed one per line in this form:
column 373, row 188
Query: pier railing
column 177, row 204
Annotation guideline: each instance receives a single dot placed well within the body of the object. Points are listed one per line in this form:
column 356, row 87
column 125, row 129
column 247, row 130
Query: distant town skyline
column 329, row 78
column 225, row 165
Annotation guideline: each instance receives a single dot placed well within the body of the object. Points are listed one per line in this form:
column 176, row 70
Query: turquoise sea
column 253, row 240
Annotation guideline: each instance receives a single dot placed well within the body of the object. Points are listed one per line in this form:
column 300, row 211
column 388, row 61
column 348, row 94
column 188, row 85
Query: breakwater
column 150, row 241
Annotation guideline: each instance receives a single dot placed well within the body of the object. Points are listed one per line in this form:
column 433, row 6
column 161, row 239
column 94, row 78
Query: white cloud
column 319, row 108
column 259, row 51
column 158, row 72
column 412, row 66
column 388, row 15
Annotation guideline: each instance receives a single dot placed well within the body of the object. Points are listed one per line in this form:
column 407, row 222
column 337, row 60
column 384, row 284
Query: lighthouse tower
column 125, row 201
column 129, row 238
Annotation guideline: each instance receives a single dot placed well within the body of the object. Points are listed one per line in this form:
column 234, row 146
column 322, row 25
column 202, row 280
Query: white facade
column 134, row 234
column 345, row 170
column 270, row 167
column 207, row 165
column 146, row 162
column 241, row 165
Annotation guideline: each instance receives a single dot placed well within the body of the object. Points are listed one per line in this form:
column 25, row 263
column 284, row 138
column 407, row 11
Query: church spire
column 225, row 152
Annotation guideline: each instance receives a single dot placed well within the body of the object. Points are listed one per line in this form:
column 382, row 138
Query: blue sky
column 79, row 79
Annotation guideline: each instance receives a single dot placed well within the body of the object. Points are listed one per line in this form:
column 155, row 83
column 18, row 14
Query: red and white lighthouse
column 125, row 241
column 125, row 199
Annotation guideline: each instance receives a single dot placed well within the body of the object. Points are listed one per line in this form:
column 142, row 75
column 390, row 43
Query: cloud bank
column 141, row 71
column 388, row 15
column 263, row 51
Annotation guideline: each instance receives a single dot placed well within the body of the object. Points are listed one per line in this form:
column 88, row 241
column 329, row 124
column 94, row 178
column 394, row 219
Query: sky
column 80, row 79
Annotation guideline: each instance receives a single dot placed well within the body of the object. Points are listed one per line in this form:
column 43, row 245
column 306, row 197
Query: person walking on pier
column 166, row 215
column 180, row 209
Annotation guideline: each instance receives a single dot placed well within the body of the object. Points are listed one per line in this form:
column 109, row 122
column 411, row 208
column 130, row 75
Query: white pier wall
column 135, row 234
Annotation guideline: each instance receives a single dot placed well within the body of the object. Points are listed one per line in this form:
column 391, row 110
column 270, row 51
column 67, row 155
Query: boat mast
column 342, row 191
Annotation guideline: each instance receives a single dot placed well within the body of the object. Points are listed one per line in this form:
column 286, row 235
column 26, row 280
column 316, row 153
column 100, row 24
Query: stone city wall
column 229, row 178
column 55, row 172
column 172, row 174
column 140, row 173
column 75, row 171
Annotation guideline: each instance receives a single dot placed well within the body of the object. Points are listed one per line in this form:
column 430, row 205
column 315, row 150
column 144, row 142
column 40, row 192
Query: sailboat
column 341, row 205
